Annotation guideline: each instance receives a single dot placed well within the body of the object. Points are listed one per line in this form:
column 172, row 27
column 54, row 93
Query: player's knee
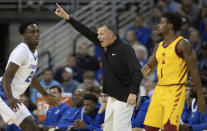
column 30, row 127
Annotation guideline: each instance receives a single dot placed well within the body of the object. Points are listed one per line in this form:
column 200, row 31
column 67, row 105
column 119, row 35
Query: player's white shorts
column 10, row 116
column 118, row 115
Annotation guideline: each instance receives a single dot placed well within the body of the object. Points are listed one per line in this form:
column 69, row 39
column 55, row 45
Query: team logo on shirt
column 57, row 111
column 32, row 66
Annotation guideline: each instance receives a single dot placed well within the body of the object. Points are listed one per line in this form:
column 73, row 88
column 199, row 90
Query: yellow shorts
column 167, row 104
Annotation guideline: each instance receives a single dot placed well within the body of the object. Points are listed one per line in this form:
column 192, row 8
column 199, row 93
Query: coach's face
column 31, row 35
column 105, row 36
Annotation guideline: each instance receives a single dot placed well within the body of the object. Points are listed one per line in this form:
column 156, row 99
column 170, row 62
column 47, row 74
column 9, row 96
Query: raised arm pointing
column 61, row 13
column 84, row 30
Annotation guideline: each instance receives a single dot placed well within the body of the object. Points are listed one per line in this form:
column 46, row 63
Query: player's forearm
column 152, row 63
column 7, row 86
column 193, row 69
column 196, row 79
column 37, row 85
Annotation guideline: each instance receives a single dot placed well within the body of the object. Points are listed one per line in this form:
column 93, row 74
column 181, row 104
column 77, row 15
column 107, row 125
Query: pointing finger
column 58, row 5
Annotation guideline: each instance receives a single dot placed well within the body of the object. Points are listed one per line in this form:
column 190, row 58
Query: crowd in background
column 82, row 76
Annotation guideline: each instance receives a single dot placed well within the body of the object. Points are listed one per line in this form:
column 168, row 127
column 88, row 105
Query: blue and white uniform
column 27, row 62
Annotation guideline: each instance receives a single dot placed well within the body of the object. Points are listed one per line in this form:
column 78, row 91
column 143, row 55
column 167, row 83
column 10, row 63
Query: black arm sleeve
column 134, row 68
column 84, row 30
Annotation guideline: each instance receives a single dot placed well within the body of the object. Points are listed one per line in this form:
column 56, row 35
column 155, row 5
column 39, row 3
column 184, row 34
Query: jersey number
column 29, row 77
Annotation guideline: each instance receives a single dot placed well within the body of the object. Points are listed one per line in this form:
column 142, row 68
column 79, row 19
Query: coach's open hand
column 61, row 13
column 131, row 99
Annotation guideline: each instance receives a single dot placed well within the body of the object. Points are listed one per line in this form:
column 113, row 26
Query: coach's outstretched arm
column 84, row 30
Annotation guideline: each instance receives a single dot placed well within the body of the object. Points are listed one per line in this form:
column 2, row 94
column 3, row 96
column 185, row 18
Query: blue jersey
column 140, row 113
column 89, row 120
column 99, row 121
column 54, row 114
column 198, row 121
column 74, row 113
column 186, row 115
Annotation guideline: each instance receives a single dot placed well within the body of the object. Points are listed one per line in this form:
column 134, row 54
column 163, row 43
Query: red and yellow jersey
column 171, row 68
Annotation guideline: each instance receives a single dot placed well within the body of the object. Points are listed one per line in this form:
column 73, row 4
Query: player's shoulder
column 21, row 47
column 184, row 44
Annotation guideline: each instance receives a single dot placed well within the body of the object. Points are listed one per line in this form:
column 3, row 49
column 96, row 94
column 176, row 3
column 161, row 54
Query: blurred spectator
column 196, row 41
column 94, row 90
column 139, row 113
column 98, row 52
column 72, row 63
column 142, row 33
column 187, row 112
column 185, row 28
column 90, row 112
column 46, row 83
column 203, row 15
column 198, row 24
column 99, row 72
column 203, row 59
column 169, row 5
column 201, row 3
column 69, row 84
column 141, row 53
column 131, row 39
column 204, row 74
column 103, row 98
column 85, row 61
column 54, row 114
column 203, row 31
column 189, row 10
column 88, row 80
column 198, row 120
column 75, row 113
column 155, row 38
column 99, row 122
column 156, row 16
column 149, row 86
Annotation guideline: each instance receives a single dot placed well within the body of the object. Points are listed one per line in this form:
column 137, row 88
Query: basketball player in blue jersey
column 19, row 74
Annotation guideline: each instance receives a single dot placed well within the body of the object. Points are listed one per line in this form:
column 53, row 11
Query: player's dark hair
column 91, row 97
column 110, row 27
column 25, row 24
column 175, row 19
column 57, row 87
